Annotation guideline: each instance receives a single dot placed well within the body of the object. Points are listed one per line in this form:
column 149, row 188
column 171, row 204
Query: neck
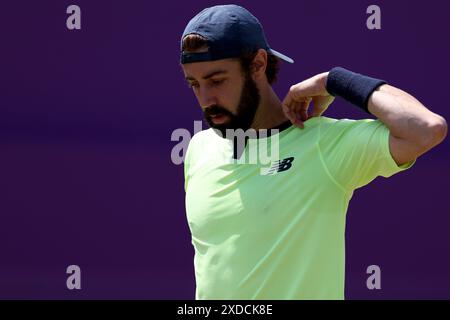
column 270, row 113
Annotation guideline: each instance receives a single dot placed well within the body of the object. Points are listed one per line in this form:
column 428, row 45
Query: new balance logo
column 278, row 166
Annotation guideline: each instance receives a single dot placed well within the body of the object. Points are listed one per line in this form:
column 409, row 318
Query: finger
column 304, row 110
column 300, row 111
column 298, row 123
column 296, row 109
column 288, row 113
column 295, row 94
column 287, row 100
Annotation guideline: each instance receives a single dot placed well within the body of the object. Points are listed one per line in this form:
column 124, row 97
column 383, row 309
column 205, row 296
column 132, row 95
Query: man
column 279, row 233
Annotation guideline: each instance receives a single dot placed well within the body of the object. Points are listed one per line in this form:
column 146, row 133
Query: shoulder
column 335, row 126
column 200, row 142
column 329, row 122
column 203, row 137
column 351, row 133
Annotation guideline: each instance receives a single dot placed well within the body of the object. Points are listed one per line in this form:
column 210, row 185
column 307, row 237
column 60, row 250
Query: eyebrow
column 209, row 75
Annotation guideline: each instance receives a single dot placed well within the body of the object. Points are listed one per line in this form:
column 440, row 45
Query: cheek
column 230, row 97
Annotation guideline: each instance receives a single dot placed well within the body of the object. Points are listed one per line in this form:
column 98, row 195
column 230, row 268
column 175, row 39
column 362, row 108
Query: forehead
column 202, row 70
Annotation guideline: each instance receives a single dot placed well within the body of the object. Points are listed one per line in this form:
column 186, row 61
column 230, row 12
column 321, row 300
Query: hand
column 296, row 103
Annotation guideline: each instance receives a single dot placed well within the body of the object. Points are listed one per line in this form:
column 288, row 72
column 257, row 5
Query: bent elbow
column 440, row 129
column 436, row 132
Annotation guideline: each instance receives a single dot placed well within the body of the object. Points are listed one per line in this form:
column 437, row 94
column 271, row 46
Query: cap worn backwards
column 230, row 30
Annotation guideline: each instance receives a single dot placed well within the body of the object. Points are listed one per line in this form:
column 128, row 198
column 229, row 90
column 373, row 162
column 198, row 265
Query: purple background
column 85, row 123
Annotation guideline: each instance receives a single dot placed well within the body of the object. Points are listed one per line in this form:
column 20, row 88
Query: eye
column 217, row 82
column 192, row 84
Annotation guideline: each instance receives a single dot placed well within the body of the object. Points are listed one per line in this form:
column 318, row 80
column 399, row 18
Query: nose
column 206, row 97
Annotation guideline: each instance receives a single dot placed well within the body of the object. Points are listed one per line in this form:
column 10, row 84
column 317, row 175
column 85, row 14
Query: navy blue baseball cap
column 229, row 30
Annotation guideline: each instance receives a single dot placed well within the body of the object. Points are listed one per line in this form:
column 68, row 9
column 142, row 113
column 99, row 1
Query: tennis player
column 277, row 231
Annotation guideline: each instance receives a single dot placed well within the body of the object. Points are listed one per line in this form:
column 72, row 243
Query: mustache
column 214, row 110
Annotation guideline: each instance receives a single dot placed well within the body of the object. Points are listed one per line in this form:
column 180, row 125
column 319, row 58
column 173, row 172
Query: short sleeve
column 354, row 152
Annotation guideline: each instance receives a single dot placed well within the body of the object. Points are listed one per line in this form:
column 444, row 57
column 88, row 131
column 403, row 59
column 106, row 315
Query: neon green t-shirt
column 277, row 231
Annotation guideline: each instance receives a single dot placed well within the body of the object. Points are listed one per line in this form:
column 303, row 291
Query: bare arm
column 413, row 128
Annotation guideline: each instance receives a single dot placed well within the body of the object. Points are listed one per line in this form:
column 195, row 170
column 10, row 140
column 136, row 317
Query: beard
column 245, row 113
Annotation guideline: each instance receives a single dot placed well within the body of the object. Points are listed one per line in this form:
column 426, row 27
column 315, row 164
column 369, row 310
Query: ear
column 259, row 64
